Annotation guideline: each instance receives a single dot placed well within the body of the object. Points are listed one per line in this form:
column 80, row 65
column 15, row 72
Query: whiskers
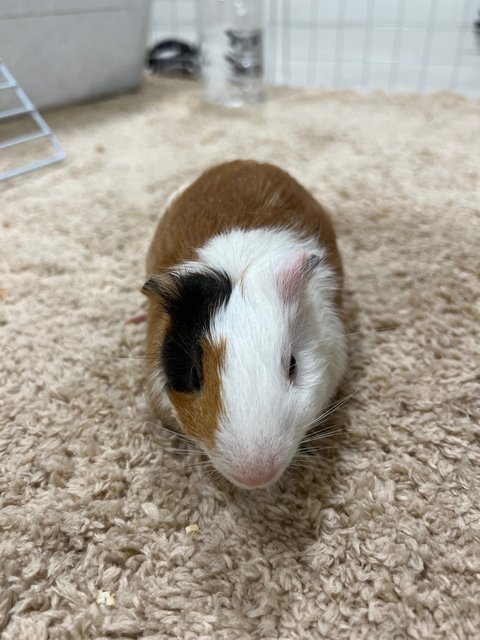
column 194, row 458
column 319, row 432
column 135, row 356
column 181, row 436
column 316, row 423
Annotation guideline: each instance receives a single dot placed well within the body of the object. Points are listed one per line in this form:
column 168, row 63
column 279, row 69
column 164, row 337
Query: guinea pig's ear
column 161, row 288
column 296, row 273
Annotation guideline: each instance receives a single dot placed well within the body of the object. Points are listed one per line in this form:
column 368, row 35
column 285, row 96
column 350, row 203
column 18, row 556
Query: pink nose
column 255, row 478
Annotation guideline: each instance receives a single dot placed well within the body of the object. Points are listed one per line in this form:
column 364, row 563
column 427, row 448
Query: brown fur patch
column 159, row 287
column 200, row 412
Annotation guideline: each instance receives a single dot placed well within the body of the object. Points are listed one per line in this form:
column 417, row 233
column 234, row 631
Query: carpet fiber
column 379, row 535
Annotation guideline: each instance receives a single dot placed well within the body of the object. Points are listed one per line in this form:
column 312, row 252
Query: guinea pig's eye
column 292, row 367
column 195, row 377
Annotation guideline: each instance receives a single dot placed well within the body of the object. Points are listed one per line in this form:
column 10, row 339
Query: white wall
column 63, row 51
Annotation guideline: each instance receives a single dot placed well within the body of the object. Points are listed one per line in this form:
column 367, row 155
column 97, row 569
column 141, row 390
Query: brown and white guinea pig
column 244, row 318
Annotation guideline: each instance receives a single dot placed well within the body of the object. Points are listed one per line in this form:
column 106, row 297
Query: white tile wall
column 400, row 45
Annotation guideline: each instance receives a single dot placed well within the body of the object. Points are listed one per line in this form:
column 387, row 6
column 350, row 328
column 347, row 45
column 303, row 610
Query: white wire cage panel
column 394, row 45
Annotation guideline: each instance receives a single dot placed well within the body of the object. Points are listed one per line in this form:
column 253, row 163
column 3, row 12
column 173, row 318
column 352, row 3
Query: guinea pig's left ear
column 296, row 273
column 161, row 288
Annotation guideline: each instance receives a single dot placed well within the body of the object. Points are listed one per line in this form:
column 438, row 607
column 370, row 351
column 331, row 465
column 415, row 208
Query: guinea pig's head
column 246, row 360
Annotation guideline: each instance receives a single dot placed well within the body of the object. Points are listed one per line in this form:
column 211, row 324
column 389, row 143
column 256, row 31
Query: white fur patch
column 265, row 414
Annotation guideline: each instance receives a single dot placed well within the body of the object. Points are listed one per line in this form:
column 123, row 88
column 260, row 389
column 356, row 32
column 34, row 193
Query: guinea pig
column 244, row 317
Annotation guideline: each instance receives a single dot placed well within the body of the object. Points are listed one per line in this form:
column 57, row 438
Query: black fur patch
column 197, row 297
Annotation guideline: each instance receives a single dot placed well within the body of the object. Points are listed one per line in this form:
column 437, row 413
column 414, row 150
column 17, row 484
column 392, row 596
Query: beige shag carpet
column 379, row 537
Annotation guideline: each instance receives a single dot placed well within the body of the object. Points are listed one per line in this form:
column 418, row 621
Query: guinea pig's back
column 241, row 194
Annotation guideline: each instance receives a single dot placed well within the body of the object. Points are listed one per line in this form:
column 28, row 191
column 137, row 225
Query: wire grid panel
column 26, row 107
column 393, row 45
